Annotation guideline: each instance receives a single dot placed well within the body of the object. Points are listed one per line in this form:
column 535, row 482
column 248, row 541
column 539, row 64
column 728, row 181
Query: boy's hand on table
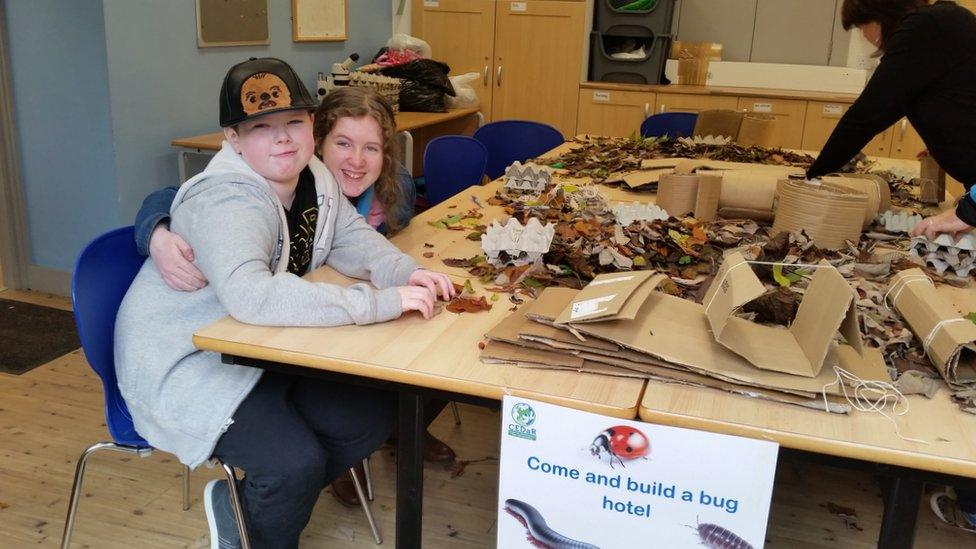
column 173, row 258
column 435, row 283
column 417, row 298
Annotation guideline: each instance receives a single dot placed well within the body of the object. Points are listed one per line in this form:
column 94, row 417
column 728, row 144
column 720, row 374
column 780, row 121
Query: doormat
column 31, row 335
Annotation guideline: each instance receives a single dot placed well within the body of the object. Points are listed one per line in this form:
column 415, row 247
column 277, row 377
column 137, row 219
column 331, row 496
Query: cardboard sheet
column 611, row 296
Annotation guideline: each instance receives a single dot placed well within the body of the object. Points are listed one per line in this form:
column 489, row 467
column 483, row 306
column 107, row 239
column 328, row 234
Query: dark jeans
column 966, row 500
column 293, row 436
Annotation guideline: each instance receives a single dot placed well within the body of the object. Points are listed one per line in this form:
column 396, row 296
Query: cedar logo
column 524, row 417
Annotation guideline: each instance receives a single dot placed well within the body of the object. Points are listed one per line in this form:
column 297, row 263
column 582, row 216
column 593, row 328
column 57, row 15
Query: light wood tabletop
column 441, row 353
column 405, row 121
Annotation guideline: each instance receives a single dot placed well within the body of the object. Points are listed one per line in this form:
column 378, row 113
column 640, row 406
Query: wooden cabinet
column 686, row 102
column 905, row 141
column 789, row 115
column 461, row 33
column 612, row 112
column 538, row 60
column 822, row 118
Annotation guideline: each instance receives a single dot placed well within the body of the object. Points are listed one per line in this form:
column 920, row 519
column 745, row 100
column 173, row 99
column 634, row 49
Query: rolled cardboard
column 748, row 194
column 706, row 200
column 677, row 194
column 876, row 189
column 830, row 214
column 757, row 129
column 693, row 72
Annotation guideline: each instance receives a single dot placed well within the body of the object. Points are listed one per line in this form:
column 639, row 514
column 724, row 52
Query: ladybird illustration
column 621, row 442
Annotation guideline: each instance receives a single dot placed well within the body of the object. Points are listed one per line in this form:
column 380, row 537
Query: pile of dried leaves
column 598, row 157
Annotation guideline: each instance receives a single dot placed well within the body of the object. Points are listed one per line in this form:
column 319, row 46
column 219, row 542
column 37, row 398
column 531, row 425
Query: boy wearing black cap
column 264, row 210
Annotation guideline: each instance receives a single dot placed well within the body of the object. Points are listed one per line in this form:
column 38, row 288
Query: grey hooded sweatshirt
column 182, row 399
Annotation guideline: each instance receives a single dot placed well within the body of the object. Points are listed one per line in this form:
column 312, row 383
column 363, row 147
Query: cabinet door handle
column 484, row 75
column 498, row 76
column 663, row 108
column 647, row 110
column 904, row 127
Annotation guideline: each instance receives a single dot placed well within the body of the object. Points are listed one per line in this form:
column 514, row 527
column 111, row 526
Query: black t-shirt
column 928, row 73
column 302, row 217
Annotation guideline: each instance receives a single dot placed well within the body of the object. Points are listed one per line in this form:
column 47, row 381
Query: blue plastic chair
column 452, row 163
column 670, row 124
column 103, row 273
column 511, row 140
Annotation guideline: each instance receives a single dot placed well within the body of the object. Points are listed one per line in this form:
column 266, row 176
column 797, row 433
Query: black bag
column 425, row 83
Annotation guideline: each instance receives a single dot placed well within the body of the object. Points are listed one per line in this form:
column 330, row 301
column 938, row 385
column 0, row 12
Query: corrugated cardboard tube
column 830, row 214
column 677, row 194
column 874, row 186
column 709, row 192
column 756, row 129
column 749, row 194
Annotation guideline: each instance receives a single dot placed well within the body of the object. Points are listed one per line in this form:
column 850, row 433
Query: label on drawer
column 762, row 107
column 833, row 109
column 601, row 96
column 518, row 6
column 432, row 3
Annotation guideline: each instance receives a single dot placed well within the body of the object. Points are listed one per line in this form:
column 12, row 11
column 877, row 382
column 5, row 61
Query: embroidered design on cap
column 264, row 91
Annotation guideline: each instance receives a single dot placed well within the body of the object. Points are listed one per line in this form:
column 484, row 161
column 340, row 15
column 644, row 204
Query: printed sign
column 518, row 6
column 432, row 3
column 582, row 480
column 762, row 107
column 601, row 96
column 833, row 109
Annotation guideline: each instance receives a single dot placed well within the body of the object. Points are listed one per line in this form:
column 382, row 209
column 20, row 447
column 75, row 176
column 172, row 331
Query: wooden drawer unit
column 789, row 114
column 905, row 141
column 612, row 112
column 822, row 118
column 683, row 102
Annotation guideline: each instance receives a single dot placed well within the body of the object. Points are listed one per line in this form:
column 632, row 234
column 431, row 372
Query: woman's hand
column 173, row 258
column 433, row 282
column 945, row 222
column 417, row 298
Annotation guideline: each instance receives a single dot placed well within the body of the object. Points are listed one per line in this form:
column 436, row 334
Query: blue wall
column 62, row 115
column 145, row 82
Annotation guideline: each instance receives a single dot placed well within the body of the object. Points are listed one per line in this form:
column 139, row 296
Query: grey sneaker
column 220, row 516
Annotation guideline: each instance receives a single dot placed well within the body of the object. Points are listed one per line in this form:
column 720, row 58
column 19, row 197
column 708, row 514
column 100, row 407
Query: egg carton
column 527, row 178
column 522, row 244
column 944, row 254
column 590, row 199
column 635, row 211
column 706, row 140
column 898, row 221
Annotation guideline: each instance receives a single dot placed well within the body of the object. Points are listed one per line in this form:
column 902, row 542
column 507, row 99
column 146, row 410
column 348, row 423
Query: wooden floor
column 50, row 414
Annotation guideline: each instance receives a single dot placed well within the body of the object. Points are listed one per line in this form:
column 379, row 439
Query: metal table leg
column 407, row 150
column 410, row 470
column 900, row 513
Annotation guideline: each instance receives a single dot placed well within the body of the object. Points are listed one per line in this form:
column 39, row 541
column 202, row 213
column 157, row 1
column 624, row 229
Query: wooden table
column 419, row 358
column 406, row 123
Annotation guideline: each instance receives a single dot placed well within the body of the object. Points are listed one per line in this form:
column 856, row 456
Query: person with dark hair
column 927, row 73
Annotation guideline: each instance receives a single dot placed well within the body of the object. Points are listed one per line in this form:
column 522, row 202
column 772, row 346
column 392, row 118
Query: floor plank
column 49, row 415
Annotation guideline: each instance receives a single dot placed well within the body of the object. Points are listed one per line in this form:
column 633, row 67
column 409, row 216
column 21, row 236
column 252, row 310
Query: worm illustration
column 716, row 537
column 539, row 533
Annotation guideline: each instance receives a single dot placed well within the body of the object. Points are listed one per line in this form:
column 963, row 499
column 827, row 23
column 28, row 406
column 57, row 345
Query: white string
column 871, row 397
column 773, row 263
column 901, row 284
column 928, row 338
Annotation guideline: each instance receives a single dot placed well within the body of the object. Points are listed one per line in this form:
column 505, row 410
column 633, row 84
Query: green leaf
column 468, row 287
column 494, row 296
column 684, row 260
column 557, row 165
column 570, row 188
column 451, row 219
column 971, row 317
column 474, row 235
column 639, row 261
column 437, row 224
column 533, row 283
column 779, row 278
column 470, row 221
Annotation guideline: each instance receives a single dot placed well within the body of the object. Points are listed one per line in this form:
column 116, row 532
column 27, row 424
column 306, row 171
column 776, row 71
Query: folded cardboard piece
column 677, row 332
column 718, row 122
column 948, row 339
column 828, row 305
column 611, row 296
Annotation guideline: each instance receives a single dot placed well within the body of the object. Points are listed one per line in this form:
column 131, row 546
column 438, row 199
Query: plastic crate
column 612, row 21
column 649, row 70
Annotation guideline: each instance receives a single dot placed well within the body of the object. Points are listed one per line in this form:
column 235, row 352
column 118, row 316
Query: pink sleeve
column 375, row 216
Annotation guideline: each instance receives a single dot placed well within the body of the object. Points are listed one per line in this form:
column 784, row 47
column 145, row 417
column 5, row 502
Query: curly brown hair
column 357, row 102
column 887, row 13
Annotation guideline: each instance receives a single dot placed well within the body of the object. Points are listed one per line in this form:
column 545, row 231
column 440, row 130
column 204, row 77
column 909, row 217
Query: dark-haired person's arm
column 913, row 60
column 171, row 254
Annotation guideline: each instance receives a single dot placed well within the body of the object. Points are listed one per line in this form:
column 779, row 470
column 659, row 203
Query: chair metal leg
column 235, row 499
column 369, row 479
column 457, row 414
column 80, row 477
column 186, row 488
column 365, row 505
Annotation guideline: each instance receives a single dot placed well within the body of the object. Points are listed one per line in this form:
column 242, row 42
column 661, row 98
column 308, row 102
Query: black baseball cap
column 261, row 86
